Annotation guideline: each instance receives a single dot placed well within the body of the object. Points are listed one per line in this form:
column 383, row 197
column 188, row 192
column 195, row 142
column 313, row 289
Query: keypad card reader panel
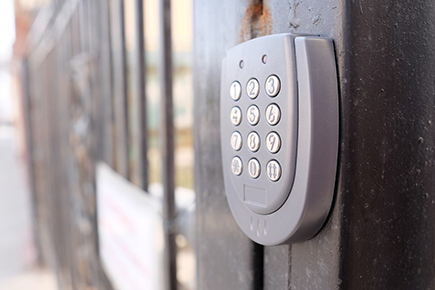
column 279, row 135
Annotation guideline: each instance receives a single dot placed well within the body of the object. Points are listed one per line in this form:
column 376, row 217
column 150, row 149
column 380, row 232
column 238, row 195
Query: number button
column 253, row 142
column 253, row 115
column 273, row 142
column 273, row 114
column 254, row 168
column 273, row 85
column 253, row 88
column 236, row 141
column 235, row 91
column 273, row 170
column 236, row 166
column 236, row 116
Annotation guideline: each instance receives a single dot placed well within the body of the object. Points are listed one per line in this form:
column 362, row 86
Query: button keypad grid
column 252, row 141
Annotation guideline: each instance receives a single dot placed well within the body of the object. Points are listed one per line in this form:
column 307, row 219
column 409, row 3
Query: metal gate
column 379, row 234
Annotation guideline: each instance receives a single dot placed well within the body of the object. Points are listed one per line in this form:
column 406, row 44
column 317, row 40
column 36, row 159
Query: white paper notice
column 130, row 233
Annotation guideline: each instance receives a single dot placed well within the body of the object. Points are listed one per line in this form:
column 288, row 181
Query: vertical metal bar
column 106, row 89
column 101, row 44
column 92, row 20
column 64, row 57
column 26, row 97
column 167, row 142
column 75, row 49
column 54, row 174
column 120, row 87
column 124, row 90
column 141, row 89
column 84, row 44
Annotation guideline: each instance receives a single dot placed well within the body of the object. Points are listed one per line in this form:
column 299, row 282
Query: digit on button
column 236, row 166
column 273, row 142
column 236, row 116
column 236, row 141
column 253, row 115
column 273, row 85
column 235, row 91
column 252, row 88
column 273, row 114
column 253, row 141
column 254, row 168
column 273, row 170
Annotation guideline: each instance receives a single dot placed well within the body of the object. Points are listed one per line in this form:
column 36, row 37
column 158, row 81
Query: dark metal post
column 387, row 178
column 227, row 259
column 141, row 90
column 26, row 98
column 120, row 86
column 167, row 142
column 106, row 89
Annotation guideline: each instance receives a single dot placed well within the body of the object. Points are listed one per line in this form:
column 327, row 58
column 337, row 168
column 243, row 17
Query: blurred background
column 19, row 263
column 96, row 146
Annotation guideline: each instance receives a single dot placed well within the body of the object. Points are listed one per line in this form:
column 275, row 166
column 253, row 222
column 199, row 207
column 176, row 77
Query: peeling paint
column 294, row 22
column 316, row 19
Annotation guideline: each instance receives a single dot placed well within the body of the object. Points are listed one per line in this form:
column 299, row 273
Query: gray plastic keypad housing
column 279, row 178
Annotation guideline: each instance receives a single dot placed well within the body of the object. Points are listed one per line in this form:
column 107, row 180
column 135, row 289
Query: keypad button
column 236, row 141
column 273, row 142
column 273, row 114
column 273, row 85
column 236, row 116
column 253, row 141
column 254, row 168
column 253, row 115
column 252, row 88
column 273, row 170
column 236, row 166
column 235, row 91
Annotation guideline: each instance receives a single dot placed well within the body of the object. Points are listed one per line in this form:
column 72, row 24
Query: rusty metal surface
column 257, row 20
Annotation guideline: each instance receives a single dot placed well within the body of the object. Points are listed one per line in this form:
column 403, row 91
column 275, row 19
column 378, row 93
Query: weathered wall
column 379, row 234
column 227, row 259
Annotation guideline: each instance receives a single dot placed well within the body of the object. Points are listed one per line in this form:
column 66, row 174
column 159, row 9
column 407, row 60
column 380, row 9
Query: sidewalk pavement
column 17, row 250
